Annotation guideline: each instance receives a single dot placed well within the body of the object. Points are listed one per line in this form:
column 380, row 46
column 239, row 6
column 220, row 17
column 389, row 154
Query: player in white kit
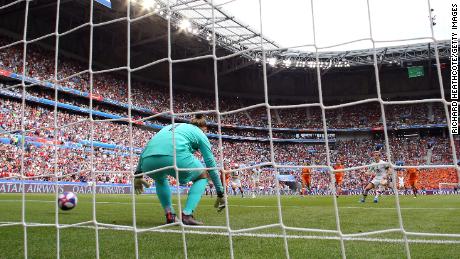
column 380, row 180
column 401, row 182
column 236, row 181
column 255, row 181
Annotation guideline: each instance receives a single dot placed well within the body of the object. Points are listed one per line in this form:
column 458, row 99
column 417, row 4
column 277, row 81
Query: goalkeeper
column 159, row 153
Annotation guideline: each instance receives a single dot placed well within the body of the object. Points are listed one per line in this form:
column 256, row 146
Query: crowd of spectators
column 39, row 122
column 113, row 165
column 73, row 74
column 73, row 164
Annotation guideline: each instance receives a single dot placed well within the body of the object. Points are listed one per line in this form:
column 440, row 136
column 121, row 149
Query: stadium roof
column 199, row 16
column 386, row 55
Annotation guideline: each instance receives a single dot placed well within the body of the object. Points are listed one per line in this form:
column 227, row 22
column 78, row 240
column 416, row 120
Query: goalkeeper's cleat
column 220, row 203
column 362, row 200
column 189, row 220
column 170, row 218
column 376, row 200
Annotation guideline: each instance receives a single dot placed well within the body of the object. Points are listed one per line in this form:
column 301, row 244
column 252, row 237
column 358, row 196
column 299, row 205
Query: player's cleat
column 170, row 218
column 362, row 200
column 189, row 220
column 376, row 200
column 415, row 197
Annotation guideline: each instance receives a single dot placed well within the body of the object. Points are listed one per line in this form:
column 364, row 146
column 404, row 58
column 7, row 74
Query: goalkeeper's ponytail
column 199, row 121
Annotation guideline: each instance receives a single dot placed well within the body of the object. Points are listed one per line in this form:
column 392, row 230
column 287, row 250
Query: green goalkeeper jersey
column 189, row 138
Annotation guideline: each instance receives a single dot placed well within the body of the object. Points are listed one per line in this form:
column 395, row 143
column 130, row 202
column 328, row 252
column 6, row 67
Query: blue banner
column 14, row 186
column 105, row 3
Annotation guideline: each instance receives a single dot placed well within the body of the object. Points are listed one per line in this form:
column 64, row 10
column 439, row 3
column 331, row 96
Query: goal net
column 97, row 160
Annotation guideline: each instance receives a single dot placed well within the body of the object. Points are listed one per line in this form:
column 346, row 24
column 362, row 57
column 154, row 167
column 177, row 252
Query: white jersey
column 236, row 182
column 255, row 175
column 401, row 181
column 235, row 175
column 380, row 171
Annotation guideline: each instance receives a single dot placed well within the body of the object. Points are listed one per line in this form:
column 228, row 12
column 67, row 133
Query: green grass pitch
column 434, row 214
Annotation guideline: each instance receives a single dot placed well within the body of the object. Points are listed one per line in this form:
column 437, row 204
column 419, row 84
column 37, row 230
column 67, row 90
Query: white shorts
column 236, row 183
column 377, row 181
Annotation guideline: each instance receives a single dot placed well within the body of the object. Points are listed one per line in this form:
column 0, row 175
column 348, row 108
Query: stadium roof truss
column 235, row 36
column 231, row 34
column 386, row 55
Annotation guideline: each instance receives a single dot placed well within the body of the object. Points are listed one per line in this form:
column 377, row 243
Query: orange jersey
column 306, row 171
column 227, row 178
column 339, row 174
column 306, row 179
column 413, row 173
column 306, row 176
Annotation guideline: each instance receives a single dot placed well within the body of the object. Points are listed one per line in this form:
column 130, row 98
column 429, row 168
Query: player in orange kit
column 227, row 176
column 339, row 176
column 413, row 177
column 306, row 180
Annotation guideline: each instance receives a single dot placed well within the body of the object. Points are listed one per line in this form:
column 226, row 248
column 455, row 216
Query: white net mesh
column 226, row 230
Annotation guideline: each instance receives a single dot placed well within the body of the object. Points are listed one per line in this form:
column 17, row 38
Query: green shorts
column 155, row 162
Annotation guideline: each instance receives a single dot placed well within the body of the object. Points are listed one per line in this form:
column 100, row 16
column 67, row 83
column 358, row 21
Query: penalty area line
column 194, row 232
column 252, row 206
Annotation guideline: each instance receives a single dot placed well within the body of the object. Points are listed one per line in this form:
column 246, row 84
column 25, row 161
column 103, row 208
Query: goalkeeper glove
column 139, row 184
column 220, row 202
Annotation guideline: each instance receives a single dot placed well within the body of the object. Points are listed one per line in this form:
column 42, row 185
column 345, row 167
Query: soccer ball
column 67, row 200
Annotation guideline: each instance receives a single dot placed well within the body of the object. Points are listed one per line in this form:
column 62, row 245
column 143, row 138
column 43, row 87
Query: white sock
column 378, row 192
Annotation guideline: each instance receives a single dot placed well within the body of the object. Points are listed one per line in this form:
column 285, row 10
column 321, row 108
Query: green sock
column 164, row 194
column 194, row 195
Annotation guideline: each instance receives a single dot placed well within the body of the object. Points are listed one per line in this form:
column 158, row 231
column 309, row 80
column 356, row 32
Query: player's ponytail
column 199, row 121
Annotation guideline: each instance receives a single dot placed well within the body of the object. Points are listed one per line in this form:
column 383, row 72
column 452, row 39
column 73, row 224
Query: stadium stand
column 72, row 154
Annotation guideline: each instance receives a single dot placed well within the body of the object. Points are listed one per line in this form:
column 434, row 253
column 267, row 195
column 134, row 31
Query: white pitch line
column 403, row 208
column 385, row 240
column 256, row 206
